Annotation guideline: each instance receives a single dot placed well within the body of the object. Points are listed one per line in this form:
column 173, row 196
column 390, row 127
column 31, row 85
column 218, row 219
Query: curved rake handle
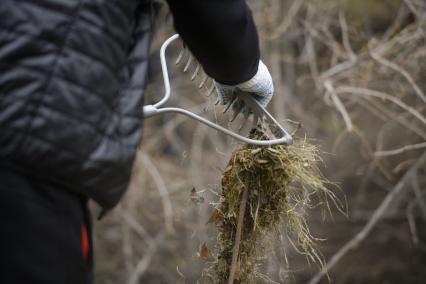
column 155, row 109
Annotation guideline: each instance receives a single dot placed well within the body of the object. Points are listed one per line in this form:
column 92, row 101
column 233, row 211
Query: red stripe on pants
column 85, row 246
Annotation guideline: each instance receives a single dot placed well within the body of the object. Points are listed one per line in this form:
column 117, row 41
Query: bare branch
column 375, row 218
column 345, row 36
column 146, row 259
column 401, row 150
column 419, row 195
column 162, row 189
column 136, row 226
column 412, row 224
column 377, row 94
column 339, row 105
column 376, row 56
column 288, row 19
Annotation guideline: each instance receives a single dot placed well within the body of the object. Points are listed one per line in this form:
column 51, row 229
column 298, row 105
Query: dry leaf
column 204, row 252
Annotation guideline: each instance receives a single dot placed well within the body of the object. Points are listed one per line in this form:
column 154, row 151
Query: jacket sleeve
column 222, row 36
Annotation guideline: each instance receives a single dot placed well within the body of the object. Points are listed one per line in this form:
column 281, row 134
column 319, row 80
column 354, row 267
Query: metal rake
column 251, row 106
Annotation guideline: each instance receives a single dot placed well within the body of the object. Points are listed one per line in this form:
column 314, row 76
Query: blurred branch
column 312, row 59
column 403, row 14
column 383, row 96
column 375, row 218
column 146, row 259
column 412, row 223
column 339, row 105
column 418, row 200
column 417, row 11
column 335, row 69
column 376, row 56
column 287, row 20
column 377, row 108
column 162, row 189
column 345, row 36
column 401, row 150
column 135, row 225
column 419, row 195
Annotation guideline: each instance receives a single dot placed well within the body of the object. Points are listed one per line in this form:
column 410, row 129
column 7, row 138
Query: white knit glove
column 260, row 87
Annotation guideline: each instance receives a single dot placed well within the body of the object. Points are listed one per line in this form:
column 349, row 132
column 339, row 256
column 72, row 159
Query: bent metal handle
column 155, row 109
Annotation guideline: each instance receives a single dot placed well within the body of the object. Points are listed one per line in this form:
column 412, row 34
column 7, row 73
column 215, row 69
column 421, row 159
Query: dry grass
column 281, row 181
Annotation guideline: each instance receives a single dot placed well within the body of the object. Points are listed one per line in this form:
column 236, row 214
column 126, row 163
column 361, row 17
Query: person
column 71, row 89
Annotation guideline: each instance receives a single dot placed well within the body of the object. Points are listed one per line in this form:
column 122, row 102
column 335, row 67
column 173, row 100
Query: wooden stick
column 238, row 237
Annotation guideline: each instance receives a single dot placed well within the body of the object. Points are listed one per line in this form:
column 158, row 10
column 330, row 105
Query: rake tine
column 180, row 56
column 210, row 92
column 234, row 115
column 246, row 116
column 217, row 101
column 197, row 70
column 229, row 104
column 188, row 63
column 238, row 108
column 227, row 107
column 203, row 81
column 255, row 120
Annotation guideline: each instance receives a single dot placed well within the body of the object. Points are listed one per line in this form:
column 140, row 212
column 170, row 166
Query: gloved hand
column 260, row 87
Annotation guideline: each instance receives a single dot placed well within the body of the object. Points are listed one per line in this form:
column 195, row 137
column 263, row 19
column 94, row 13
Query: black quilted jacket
column 72, row 74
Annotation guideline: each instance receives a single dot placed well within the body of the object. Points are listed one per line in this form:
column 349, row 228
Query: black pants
column 45, row 233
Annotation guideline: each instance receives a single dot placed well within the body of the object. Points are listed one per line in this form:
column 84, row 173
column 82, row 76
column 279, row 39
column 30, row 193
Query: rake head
column 243, row 105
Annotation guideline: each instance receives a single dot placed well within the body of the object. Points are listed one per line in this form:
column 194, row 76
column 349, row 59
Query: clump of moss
column 281, row 180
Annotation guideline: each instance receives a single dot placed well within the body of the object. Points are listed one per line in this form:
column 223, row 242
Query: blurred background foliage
column 353, row 73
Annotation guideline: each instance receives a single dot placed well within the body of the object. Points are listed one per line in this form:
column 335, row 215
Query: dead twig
column 389, row 64
column 375, row 218
column 345, row 36
column 339, row 105
column 383, row 96
column 401, row 150
column 236, row 249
